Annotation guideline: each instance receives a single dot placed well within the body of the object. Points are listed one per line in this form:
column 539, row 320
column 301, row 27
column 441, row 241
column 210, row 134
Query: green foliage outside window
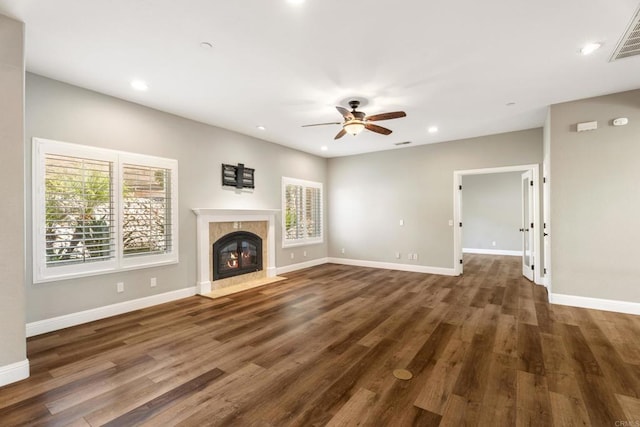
column 78, row 210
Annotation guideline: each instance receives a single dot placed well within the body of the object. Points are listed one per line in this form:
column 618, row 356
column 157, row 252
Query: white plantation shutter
column 313, row 212
column 146, row 210
column 98, row 211
column 302, row 212
column 79, row 220
column 293, row 212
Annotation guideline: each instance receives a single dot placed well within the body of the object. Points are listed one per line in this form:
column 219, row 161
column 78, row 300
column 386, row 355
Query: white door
column 527, row 225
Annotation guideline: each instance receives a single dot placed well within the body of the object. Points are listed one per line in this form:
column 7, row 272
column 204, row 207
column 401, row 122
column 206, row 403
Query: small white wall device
column 620, row 121
column 582, row 127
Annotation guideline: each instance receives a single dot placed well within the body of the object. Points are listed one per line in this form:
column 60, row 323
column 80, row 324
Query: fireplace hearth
column 237, row 253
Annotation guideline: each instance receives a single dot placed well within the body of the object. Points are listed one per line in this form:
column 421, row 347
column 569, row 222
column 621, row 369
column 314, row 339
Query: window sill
column 99, row 272
column 301, row 243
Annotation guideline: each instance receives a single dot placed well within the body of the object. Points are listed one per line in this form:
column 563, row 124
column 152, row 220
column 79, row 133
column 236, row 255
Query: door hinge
column 544, row 270
column 460, row 224
column 531, row 225
column 531, row 183
column 544, row 179
column 459, row 187
column 532, row 267
column 460, row 261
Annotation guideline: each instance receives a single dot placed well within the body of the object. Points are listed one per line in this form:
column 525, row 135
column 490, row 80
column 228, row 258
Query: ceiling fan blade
column 386, row 116
column 322, row 124
column 341, row 134
column 377, row 129
column 345, row 113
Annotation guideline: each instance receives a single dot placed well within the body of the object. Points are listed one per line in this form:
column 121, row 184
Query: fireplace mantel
column 207, row 215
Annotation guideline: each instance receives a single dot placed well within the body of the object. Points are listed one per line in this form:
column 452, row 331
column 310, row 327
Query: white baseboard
column 491, row 252
column 595, row 303
column 73, row 319
column 14, row 372
column 393, row 266
column 295, row 267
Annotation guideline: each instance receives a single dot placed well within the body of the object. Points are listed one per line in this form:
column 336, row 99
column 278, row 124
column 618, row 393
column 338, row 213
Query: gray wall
column 595, row 198
column 59, row 111
column 492, row 211
column 12, row 263
column 369, row 194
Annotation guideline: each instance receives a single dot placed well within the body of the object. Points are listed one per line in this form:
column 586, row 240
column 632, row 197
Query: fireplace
column 213, row 224
column 237, row 253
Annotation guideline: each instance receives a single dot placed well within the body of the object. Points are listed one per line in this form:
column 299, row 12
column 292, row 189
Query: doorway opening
column 530, row 228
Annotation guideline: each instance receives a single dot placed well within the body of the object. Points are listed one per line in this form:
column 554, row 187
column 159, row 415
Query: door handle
column 522, row 230
column 545, row 234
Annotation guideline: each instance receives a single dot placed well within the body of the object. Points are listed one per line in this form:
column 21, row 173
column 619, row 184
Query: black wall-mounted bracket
column 238, row 176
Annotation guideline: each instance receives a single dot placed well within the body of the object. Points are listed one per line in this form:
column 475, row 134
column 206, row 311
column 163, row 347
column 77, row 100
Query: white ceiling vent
column 629, row 45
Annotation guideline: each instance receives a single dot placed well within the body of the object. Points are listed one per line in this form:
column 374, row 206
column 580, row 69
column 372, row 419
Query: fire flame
column 233, row 261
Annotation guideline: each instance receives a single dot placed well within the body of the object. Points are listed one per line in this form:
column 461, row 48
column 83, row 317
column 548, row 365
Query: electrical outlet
column 120, row 287
column 397, row 255
column 342, row 250
column 153, row 283
column 293, row 255
column 493, row 243
column 410, row 256
column 415, row 257
column 304, row 254
column 402, row 222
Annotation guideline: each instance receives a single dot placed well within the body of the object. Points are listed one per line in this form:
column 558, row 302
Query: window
column 302, row 212
column 98, row 211
column 146, row 212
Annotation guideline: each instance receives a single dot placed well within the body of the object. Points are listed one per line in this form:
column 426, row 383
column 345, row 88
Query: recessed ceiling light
column 324, row 148
column 206, row 45
column 589, row 48
column 260, row 127
column 432, row 129
column 139, row 85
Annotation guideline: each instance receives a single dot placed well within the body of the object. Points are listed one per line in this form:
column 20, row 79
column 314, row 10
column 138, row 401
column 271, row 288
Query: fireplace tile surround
column 216, row 221
column 219, row 230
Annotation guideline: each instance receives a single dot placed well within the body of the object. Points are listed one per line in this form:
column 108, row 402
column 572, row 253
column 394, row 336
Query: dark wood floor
column 320, row 348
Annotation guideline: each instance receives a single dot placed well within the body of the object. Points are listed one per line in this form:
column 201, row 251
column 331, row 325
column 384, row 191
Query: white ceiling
column 449, row 64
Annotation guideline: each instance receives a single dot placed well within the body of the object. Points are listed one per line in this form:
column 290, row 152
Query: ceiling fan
column 356, row 121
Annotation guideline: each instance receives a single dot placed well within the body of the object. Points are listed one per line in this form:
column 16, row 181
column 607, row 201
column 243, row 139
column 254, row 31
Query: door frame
column 457, row 212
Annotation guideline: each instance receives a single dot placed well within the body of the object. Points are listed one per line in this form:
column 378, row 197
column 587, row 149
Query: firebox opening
column 237, row 253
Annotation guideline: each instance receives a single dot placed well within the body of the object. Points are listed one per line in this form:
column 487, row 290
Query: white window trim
column 304, row 241
column 42, row 273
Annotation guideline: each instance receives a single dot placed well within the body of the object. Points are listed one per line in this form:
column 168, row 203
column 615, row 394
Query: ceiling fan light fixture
column 354, row 127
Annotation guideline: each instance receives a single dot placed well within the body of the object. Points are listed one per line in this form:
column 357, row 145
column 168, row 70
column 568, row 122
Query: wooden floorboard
column 320, row 348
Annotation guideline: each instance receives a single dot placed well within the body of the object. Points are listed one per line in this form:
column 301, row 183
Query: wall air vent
column 629, row 45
